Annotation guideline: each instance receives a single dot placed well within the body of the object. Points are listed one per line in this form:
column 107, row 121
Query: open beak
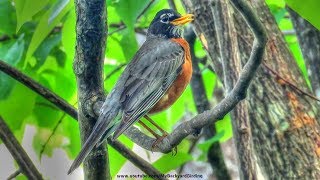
column 182, row 20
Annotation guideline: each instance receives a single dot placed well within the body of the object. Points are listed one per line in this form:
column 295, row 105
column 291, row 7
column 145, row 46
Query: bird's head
column 168, row 23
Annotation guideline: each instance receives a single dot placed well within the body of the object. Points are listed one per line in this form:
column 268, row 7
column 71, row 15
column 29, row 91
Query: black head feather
column 161, row 26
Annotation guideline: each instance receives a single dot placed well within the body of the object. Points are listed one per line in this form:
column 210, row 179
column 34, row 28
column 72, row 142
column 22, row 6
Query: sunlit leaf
column 45, row 48
column 26, row 9
column 69, row 34
column 204, row 147
column 308, row 9
column 18, row 106
column 176, row 161
column 296, row 51
column 73, row 146
column 12, row 56
column 43, row 29
column 57, row 9
column 7, row 21
column 224, row 127
column 129, row 10
column 129, row 44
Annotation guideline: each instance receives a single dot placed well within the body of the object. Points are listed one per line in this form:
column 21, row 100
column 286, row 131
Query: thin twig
column 43, row 147
column 145, row 9
column 118, row 68
column 15, row 174
column 300, row 91
column 53, row 132
column 122, row 26
column 17, row 152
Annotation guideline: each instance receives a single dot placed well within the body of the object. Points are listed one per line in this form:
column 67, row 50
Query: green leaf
column 296, row 51
column 57, row 9
column 308, row 9
column 168, row 162
column 18, row 106
column 26, row 9
column 204, row 147
column 114, row 50
column 224, row 126
column 45, row 48
column 152, row 11
column 7, row 19
column 129, row 44
column 129, row 10
column 12, row 57
column 69, row 36
column 42, row 30
column 73, row 146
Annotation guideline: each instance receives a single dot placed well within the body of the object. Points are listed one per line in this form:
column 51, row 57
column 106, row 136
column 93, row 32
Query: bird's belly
column 173, row 93
column 178, row 86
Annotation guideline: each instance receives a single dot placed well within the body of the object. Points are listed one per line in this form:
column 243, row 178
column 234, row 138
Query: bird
column 154, row 79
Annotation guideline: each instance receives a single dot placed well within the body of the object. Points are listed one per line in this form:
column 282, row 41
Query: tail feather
column 104, row 127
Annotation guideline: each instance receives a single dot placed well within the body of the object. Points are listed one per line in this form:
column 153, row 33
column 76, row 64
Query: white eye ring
column 164, row 19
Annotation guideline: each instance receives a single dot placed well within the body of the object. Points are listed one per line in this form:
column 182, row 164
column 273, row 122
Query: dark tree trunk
column 91, row 37
column 309, row 40
column 230, row 58
column 285, row 124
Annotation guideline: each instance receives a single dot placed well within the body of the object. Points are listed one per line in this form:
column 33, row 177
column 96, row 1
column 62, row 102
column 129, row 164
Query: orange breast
column 180, row 84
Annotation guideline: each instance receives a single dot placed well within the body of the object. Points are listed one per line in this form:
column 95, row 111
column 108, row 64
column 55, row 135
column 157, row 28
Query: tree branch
column 237, row 94
column 231, row 63
column 17, row 152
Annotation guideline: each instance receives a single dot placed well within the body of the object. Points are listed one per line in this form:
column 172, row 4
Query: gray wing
column 151, row 73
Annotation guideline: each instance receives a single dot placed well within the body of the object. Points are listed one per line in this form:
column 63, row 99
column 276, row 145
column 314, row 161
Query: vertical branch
column 91, row 37
column 18, row 153
column 231, row 67
column 215, row 156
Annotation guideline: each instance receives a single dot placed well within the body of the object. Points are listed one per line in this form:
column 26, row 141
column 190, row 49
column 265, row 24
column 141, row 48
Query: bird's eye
column 165, row 19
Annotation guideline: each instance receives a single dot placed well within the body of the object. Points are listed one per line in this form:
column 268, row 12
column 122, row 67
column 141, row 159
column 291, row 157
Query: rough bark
column 91, row 36
column 214, row 154
column 204, row 28
column 285, row 124
column 231, row 62
column 309, row 40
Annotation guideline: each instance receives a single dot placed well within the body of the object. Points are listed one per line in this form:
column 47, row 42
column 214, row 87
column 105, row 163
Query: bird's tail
column 104, row 127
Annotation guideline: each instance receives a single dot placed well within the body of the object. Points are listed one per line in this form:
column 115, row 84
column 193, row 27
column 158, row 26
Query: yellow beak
column 183, row 20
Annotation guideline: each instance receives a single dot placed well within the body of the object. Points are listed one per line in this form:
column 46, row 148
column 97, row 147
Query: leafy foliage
column 309, row 10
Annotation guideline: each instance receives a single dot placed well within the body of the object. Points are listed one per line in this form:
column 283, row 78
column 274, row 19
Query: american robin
column 154, row 79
